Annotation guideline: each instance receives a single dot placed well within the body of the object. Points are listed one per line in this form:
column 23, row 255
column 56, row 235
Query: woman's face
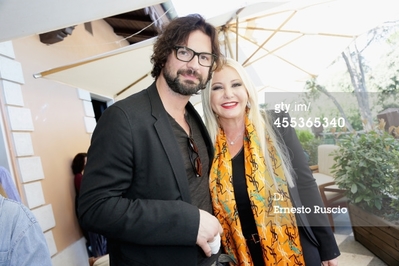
column 229, row 97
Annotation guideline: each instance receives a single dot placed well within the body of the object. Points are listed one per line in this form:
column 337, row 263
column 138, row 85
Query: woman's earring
column 248, row 105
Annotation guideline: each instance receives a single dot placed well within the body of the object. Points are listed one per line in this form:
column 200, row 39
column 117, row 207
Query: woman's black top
column 244, row 209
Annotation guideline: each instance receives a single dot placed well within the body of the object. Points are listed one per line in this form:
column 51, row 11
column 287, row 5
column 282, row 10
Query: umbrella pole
column 131, row 85
column 227, row 44
column 237, row 38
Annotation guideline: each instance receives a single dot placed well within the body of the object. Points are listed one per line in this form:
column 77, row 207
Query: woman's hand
column 333, row 262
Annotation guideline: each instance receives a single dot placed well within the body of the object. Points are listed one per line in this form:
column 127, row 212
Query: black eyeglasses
column 194, row 157
column 186, row 54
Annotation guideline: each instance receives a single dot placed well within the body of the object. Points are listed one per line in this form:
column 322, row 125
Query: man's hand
column 209, row 227
column 333, row 262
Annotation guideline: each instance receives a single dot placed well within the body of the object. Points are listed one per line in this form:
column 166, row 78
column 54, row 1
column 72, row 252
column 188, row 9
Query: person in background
column 96, row 244
column 78, row 166
column 22, row 242
column 258, row 170
column 8, row 184
column 145, row 185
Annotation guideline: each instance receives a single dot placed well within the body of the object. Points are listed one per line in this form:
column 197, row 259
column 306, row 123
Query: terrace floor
column 352, row 252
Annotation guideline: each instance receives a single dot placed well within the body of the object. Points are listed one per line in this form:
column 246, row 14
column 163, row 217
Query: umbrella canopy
column 290, row 43
column 112, row 74
column 280, row 43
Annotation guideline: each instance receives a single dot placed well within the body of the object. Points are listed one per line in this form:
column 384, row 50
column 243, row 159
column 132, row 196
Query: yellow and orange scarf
column 278, row 232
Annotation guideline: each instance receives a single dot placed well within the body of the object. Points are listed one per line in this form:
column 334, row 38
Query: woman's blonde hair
column 258, row 117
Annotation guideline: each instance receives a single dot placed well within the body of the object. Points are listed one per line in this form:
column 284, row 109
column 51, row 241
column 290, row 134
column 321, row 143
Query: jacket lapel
column 168, row 141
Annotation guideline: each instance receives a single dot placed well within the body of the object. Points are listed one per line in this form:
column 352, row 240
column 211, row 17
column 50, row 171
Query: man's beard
column 186, row 88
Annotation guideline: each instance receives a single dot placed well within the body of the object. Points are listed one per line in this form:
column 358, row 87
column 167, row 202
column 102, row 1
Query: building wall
column 45, row 124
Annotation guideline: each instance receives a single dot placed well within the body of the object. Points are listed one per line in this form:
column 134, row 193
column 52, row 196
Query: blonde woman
column 261, row 186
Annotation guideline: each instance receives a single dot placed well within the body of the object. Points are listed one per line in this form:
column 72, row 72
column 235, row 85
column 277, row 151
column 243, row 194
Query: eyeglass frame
column 195, row 163
column 177, row 47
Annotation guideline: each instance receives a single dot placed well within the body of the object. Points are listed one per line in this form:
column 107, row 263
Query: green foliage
column 386, row 81
column 385, row 76
column 355, row 119
column 309, row 144
column 311, row 149
column 367, row 166
column 304, row 135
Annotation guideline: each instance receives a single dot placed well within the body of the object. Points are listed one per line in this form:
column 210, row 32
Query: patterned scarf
column 278, row 232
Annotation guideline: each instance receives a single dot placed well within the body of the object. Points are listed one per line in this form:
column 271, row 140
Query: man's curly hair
column 177, row 33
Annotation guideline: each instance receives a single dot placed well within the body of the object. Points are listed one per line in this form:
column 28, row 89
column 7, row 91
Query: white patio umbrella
column 288, row 44
column 279, row 42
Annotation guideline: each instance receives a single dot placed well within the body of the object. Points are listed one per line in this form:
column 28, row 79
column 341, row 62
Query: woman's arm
column 307, row 188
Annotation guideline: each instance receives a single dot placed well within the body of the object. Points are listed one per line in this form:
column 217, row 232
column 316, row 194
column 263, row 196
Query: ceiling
column 134, row 26
column 130, row 25
column 142, row 24
column 19, row 19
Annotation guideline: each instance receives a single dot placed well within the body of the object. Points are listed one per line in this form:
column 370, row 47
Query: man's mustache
column 189, row 72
